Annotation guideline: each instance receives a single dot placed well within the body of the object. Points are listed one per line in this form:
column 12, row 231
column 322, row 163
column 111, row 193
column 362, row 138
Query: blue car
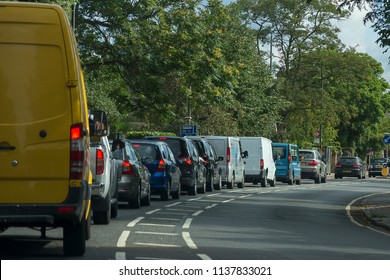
column 162, row 165
column 288, row 168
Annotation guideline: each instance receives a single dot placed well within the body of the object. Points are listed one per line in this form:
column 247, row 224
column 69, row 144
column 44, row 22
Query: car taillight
column 356, row 165
column 127, row 168
column 313, row 162
column 76, row 152
column 99, row 162
column 161, row 166
column 262, row 164
column 228, row 154
column 338, row 165
column 185, row 160
column 289, row 159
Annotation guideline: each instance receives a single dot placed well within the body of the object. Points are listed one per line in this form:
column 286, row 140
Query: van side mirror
column 220, row 158
column 98, row 123
column 245, row 154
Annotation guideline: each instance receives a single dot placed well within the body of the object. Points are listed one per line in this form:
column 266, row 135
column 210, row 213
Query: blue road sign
column 188, row 130
column 386, row 139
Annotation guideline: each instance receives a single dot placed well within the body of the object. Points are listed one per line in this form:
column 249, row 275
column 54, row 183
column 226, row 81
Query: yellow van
column 44, row 129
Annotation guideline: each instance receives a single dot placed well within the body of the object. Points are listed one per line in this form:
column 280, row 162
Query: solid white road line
column 156, row 233
column 134, row 222
column 173, row 204
column 164, row 219
column 198, row 213
column 155, row 225
column 153, row 211
column 226, row 201
column 123, row 238
column 211, row 206
column 187, row 223
column 204, row 257
column 157, row 245
column 188, row 240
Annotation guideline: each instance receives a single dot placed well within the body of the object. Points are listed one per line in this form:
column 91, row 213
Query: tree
column 378, row 15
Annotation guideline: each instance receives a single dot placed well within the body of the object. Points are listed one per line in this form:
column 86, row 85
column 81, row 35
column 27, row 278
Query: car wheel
column 202, row 189
column 230, row 185
column 272, row 182
column 317, row 180
column 146, row 200
column 263, row 182
column 74, row 237
column 193, row 189
column 242, row 183
column 323, row 179
column 176, row 194
column 218, row 186
column 210, row 185
column 165, row 193
column 135, row 202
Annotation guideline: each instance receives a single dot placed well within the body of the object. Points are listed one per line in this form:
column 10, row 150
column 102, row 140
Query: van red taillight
column 185, row 160
column 161, row 166
column 313, row 162
column 76, row 152
column 261, row 164
column 99, row 162
column 127, row 169
column 338, row 165
column 289, row 159
column 228, row 154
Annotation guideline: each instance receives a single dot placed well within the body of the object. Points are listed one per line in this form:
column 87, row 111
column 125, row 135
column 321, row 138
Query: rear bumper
column 72, row 210
column 309, row 174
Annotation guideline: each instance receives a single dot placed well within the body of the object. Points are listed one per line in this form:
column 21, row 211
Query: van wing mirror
column 220, row 158
column 98, row 123
column 245, row 154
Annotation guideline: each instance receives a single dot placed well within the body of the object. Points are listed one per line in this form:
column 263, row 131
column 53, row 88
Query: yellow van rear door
column 35, row 114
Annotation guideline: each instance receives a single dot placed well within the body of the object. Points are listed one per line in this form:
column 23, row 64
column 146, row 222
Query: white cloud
column 355, row 33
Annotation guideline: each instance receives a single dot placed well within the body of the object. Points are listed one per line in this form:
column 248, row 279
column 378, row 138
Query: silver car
column 312, row 166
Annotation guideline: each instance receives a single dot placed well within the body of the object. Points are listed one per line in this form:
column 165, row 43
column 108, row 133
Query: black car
column 349, row 166
column 193, row 172
column 376, row 166
column 163, row 167
column 210, row 161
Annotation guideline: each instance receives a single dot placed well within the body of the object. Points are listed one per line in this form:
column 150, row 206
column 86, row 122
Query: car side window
column 130, row 153
column 137, row 155
column 294, row 154
column 171, row 156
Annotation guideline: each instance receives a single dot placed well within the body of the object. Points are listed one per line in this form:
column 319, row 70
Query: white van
column 232, row 164
column 259, row 166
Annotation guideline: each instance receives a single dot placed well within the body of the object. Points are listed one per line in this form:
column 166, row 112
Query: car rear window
column 348, row 160
column 378, row 160
column 279, row 152
column 306, row 154
column 148, row 150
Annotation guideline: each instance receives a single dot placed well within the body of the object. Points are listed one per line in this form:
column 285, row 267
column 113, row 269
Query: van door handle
column 3, row 148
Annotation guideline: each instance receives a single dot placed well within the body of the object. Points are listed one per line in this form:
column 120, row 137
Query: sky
column 355, row 33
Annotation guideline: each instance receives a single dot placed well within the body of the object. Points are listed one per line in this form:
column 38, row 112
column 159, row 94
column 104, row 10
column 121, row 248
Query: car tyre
column 135, row 202
column 74, row 239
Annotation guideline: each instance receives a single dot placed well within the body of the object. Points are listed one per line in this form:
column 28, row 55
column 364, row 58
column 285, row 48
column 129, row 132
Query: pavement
column 373, row 209
column 376, row 209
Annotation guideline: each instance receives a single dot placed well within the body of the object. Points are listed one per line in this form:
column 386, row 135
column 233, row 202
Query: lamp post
column 321, row 114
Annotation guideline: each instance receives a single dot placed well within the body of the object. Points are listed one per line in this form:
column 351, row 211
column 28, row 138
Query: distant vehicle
column 210, row 161
column 260, row 165
column 350, row 167
column 193, row 173
column 134, row 183
column 233, row 170
column 288, row 168
column 312, row 166
column 376, row 166
column 164, row 170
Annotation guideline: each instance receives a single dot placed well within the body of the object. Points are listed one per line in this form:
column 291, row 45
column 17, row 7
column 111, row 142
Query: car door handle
column 10, row 148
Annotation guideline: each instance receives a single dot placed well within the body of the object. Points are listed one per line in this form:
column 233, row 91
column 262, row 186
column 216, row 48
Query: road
column 306, row 222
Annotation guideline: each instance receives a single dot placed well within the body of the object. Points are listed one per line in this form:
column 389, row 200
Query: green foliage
column 142, row 134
